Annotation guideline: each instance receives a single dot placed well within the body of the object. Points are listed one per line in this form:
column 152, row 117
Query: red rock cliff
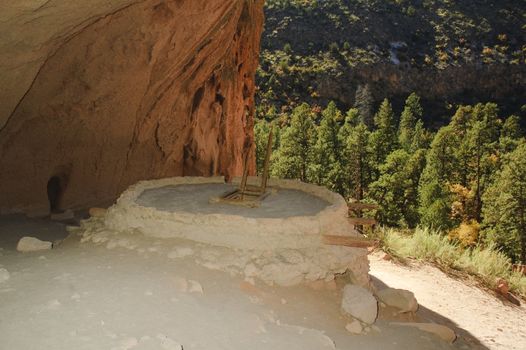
column 97, row 97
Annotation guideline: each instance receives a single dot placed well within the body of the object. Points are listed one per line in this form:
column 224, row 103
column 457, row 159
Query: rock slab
column 443, row 332
column 398, row 298
column 359, row 303
column 32, row 244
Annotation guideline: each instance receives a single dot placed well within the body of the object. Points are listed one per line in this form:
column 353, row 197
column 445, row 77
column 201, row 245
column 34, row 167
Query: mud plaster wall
column 147, row 89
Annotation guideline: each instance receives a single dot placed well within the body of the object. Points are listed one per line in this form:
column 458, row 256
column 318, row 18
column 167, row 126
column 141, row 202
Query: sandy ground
column 195, row 198
column 474, row 313
column 86, row 296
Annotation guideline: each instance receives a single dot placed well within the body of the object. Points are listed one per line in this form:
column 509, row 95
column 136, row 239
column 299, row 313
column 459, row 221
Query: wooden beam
column 348, row 241
column 361, row 206
column 362, row 221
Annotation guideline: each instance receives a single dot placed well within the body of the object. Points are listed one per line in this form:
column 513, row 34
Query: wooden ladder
column 355, row 215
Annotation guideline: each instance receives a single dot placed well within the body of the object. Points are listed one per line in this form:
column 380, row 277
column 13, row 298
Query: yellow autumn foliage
column 466, row 234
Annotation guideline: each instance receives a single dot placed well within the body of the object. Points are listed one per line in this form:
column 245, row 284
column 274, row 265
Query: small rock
column 443, row 332
column 502, row 286
column 195, row 287
column 355, row 327
column 399, row 298
column 387, row 257
column 4, row 275
column 97, row 212
column 32, row 244
column 359, row 303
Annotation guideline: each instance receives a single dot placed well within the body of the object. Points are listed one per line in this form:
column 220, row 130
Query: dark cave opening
column 54, row 193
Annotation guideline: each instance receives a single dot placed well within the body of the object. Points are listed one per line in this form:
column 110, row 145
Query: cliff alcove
column 121, row 91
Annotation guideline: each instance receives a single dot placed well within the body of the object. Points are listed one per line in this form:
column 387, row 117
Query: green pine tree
column 383, row 140
column 421, row 137
column 505, row 206
column 396, row 189
column 327, row 166
column 364, row 102
column 477, row 151
column 413, row 171
column 433, row 192
column 358, row 169
column 412, row 113
column 295, row 150
column 388, row 191
column 510, row 134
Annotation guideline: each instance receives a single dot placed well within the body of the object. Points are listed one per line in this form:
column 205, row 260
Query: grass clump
column 486, row 263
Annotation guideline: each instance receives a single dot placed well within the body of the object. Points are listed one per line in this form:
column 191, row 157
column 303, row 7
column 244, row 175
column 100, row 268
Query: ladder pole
column 243, row 186
column 267, row 160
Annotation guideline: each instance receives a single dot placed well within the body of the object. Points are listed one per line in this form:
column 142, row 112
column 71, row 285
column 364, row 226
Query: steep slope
column 450, row 52
column 96, row 95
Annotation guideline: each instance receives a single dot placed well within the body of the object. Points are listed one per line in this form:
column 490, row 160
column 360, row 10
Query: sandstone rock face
column 96, row 95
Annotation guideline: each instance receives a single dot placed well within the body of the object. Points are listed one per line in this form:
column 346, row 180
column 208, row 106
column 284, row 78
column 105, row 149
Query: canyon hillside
column 449, row 52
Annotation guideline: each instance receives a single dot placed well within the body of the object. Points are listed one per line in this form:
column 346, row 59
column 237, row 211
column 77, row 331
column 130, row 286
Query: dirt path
column 472, row 311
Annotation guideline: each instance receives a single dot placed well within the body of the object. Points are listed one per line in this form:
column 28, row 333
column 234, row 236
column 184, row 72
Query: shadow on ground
column 464, row 338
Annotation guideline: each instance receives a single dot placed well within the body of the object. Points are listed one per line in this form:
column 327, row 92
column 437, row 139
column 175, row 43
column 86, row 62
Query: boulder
column 443, row 332
column 359, row 303
column 398, row 298
column 32, row 244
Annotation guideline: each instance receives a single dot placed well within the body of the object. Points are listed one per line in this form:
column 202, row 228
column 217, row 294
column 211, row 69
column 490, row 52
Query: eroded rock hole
column 55, row 190
column 220, row 98
column 198, row 97
column 246, row 91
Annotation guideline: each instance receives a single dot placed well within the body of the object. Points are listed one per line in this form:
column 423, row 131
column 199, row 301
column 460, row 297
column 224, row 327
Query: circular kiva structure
column 293, row 215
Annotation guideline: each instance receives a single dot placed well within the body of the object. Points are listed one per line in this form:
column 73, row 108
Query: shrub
column 487, row 263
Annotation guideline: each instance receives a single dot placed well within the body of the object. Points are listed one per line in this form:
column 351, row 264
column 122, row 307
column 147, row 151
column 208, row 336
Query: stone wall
column 228, row 229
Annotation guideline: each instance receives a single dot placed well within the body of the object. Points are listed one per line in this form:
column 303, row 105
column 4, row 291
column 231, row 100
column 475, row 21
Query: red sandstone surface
column 121, row 92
